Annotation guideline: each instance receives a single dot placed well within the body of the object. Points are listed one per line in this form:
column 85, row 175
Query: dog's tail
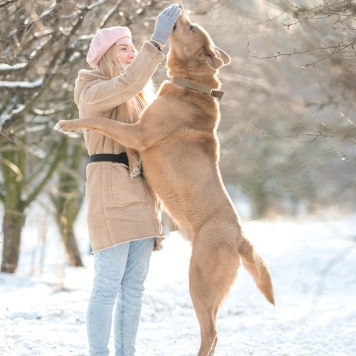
column 258, row 269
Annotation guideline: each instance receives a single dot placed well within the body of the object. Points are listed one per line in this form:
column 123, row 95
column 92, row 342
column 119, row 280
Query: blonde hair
column 110, row 66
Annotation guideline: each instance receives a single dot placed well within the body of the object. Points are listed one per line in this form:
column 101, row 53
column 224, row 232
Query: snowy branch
column 22, row 85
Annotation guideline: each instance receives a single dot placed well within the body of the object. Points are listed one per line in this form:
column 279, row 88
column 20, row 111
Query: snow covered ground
column 43, row 306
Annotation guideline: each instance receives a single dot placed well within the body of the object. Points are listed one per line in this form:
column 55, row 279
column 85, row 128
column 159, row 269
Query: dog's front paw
column 64, row 126
column 136, row 171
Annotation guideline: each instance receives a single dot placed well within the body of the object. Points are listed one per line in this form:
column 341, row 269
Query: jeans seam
column 122, row 321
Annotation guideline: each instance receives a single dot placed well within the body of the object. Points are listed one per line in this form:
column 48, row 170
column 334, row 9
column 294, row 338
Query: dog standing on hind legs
column 177, row 142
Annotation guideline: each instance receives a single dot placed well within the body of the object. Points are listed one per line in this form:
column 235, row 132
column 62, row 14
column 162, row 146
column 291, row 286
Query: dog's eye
column 191, row 28
column 174, row 26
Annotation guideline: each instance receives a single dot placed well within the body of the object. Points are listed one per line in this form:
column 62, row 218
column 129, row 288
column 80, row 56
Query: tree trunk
column 17, row 171
column 68, row 200
column 70, row 242
column 12, row 226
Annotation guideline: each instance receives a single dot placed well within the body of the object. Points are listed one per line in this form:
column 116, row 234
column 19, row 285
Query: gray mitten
column 165, row 22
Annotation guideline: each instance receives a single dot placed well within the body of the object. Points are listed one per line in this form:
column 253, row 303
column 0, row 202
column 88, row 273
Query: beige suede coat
column 120, row 209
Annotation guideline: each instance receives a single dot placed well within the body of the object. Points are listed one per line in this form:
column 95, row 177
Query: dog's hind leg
column 213, row 268
column 207, row 319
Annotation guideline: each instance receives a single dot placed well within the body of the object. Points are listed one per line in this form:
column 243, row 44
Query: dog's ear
column 222, row 55
column 217, row 58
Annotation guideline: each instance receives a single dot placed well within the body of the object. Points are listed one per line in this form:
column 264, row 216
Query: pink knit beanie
column 103, row 40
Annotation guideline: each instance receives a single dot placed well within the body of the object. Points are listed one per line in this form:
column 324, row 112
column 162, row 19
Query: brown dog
column 177, row 142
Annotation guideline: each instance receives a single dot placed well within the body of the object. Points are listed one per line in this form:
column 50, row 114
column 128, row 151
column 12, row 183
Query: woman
column 123, row 215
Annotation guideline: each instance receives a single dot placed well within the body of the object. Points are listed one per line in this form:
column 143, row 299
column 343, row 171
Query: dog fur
column 177, row 142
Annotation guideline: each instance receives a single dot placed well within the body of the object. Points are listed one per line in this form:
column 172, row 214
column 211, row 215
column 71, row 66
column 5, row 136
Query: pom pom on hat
column 103, row 40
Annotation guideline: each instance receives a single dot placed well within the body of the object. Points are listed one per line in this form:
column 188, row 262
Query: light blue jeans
column 120, row 273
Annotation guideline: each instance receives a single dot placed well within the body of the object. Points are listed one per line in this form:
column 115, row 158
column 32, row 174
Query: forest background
column 288, row 125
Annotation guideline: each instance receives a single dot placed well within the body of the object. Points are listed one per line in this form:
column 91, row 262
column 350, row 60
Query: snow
column 24, row 85
column 312, row 261
column 6, row 67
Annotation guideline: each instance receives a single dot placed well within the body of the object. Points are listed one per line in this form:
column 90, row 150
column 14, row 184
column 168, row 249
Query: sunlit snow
column 312, row 261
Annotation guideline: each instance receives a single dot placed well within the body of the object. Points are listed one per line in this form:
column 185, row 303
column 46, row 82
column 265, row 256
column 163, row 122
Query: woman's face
column 125, row 51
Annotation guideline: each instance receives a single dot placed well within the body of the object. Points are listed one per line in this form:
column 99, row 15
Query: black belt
column 108, row 157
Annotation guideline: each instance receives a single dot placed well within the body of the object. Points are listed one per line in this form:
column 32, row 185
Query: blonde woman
column 123, row 216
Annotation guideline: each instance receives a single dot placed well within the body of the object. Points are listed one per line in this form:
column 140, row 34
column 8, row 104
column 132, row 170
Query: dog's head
column 192, row 52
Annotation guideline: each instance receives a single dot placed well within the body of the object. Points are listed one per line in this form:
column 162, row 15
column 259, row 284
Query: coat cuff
column 159, row 56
